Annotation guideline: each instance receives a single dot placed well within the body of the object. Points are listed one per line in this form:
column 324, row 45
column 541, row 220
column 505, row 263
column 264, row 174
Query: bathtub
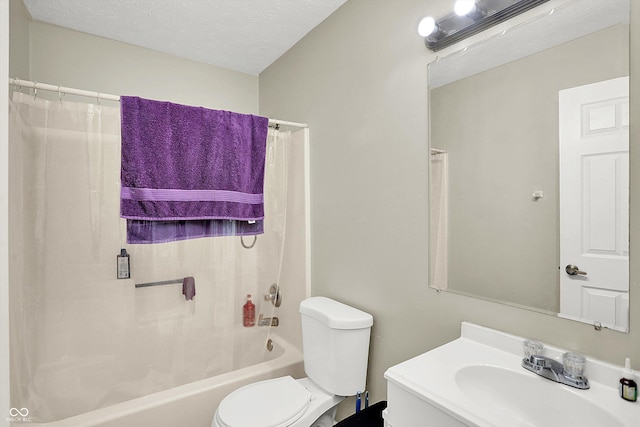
column 192, row 404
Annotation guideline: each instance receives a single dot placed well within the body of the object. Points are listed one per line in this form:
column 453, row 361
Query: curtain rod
column 100, row 96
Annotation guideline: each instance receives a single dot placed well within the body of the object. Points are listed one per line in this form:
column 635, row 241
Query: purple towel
column 190, row 163
column 139, row 231
column 189, row 288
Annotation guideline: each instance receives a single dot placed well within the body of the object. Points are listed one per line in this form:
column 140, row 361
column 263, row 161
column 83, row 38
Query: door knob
column 573, row 270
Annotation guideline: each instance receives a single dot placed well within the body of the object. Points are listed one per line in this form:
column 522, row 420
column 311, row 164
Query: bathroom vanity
column 478, row 380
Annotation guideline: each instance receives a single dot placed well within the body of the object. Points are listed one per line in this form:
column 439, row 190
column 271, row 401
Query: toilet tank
column 335, row 345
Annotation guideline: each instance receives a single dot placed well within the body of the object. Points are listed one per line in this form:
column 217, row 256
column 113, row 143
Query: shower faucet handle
column 274, row 295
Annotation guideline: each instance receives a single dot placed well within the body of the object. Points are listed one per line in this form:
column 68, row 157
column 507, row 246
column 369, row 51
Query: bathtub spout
column 268, row 321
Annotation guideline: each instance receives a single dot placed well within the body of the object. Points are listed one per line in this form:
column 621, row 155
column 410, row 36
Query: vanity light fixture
column 427, row 26
column 469, row 8
column 468, row 18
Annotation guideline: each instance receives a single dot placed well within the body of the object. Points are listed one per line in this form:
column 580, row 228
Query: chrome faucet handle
column 533, row 348
column 573, row 370
column 573, row 364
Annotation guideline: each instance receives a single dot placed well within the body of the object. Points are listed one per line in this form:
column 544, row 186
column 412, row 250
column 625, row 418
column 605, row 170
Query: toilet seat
column 271, row 403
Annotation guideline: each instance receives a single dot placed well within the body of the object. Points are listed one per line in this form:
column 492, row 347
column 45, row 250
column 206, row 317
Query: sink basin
column 478, row 380
column 530, row 399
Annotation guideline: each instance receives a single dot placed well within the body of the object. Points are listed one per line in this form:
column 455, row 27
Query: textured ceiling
column 242, row 35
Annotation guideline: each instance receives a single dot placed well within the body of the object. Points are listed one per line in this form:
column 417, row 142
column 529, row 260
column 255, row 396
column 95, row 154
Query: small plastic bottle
column 123, row 265
column 249, row 313
column 628, row 387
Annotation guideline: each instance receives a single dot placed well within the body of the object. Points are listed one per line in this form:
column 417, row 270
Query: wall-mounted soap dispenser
column 123, row 265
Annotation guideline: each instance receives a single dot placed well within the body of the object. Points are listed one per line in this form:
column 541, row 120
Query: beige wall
column 18, row 39
column 359, row 80
column 500, row 130
column 69, row 58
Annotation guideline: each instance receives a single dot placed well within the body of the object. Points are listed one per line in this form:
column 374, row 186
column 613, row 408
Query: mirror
column 529, row 164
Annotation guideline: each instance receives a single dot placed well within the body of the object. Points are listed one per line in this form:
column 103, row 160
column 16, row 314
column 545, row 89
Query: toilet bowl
column 280, row 402
column 335, row 347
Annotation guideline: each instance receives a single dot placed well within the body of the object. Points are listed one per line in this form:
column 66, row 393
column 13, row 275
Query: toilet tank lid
column 334, row 314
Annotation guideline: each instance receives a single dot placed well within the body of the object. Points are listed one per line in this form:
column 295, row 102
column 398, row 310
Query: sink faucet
column 553, row 370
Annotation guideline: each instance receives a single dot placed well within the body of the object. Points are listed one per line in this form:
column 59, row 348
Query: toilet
column 335, row 345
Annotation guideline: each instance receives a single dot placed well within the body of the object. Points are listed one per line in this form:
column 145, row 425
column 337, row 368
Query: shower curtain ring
column 60, row 94
column 255, row 239
column 35, row 90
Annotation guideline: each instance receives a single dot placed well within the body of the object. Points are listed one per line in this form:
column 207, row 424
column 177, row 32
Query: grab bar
column 163, row 282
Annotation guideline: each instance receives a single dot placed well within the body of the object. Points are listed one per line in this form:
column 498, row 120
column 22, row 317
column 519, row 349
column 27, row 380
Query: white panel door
column 594, row 202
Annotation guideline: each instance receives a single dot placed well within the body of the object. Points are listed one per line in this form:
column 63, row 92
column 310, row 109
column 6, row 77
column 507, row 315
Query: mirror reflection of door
column 594, row 203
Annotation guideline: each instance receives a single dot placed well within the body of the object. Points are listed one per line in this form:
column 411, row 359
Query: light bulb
column 464, row 7
column 426, row 26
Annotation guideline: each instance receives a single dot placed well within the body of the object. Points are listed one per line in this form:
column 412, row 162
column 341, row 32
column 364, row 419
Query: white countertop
column 446, row 378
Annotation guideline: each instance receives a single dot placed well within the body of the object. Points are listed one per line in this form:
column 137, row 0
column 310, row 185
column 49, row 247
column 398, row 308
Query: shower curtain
column 80, row 339
column 439, row 201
